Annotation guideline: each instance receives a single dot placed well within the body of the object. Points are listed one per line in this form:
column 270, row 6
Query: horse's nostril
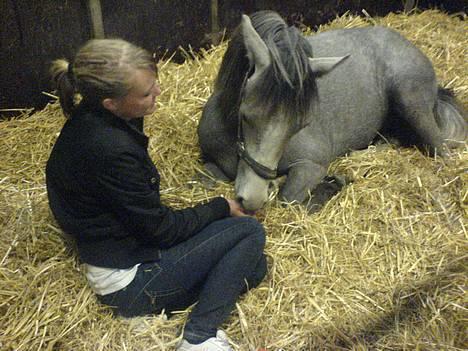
column 240, row 199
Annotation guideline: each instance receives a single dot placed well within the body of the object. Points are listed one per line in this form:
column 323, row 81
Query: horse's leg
column 218, row 144
column 307, row 184
column 214, row 171
column 416, row 102
column 219, row 166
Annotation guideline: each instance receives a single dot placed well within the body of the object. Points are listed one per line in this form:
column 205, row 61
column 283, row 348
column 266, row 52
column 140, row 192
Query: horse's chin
column 252, row 208
column 250, row 213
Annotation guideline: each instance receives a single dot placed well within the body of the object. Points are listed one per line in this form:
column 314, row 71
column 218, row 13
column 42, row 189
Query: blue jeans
column 214, row 267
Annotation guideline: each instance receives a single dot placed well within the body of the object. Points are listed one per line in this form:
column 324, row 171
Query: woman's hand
column 236, row 209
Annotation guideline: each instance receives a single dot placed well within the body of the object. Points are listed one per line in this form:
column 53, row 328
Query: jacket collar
column 134, row 127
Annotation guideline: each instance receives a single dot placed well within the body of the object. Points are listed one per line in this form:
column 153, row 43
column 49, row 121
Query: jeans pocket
column 163, row 299
column 153, row 269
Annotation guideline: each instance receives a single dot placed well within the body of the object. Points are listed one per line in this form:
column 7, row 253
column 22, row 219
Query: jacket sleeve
column 129, row 185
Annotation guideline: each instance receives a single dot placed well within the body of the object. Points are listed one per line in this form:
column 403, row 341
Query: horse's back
column 334, row 41
column 376, row 45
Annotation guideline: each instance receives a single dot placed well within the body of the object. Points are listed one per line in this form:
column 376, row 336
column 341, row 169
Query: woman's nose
column 157, row 89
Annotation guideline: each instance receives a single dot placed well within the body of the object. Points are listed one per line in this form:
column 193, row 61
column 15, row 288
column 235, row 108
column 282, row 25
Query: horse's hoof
column 329, row 187
column 338, row 180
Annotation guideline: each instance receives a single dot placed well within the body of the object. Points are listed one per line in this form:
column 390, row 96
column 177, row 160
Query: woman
column 141, row 256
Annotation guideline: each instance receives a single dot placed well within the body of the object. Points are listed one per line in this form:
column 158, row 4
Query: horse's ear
column 322, row 65
column 257, row 51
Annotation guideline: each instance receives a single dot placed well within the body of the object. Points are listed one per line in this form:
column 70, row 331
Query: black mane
column 289, row 83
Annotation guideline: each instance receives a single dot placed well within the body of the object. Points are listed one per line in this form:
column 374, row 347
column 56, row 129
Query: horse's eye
column 250, row 73
column 245, row 119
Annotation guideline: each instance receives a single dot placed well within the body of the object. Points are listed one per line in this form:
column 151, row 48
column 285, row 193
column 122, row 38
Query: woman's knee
column 257, row 275
column 254, row 232
column 254, row 228
column 260, row 272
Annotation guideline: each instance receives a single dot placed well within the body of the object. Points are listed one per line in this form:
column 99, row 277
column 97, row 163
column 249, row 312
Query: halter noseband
column 261, row 170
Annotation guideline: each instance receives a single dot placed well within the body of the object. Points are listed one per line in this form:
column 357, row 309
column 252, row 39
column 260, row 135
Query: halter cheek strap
column 258, row 168
column 261, row 170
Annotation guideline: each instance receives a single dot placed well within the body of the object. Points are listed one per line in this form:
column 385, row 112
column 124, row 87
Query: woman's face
column 140, row 100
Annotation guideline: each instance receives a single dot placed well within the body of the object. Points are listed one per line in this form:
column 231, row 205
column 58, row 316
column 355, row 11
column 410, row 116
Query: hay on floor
column 381, row 267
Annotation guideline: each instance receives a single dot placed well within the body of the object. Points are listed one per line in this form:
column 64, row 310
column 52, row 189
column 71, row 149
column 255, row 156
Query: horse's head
column 277, row 99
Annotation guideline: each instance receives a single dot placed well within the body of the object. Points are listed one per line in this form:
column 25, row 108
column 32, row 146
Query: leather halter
column 261, row 170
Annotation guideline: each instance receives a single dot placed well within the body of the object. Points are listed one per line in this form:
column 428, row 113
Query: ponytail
column 63, row 80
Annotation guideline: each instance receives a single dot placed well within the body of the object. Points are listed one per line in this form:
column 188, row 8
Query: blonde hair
column 101, row 69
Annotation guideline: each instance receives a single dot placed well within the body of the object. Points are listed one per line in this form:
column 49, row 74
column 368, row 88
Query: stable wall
column 33, row 33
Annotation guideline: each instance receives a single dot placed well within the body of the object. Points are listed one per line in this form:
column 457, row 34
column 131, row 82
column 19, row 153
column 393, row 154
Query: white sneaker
column 219, row 343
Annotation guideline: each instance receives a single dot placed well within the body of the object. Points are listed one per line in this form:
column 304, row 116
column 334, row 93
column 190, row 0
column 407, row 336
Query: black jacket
column 103, row 190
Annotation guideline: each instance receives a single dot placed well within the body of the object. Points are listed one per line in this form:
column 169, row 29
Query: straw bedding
column 381, row 267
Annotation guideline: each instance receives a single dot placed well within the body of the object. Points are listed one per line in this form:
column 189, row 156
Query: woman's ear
column 110, row 104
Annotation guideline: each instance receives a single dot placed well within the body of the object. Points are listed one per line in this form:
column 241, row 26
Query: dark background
column 32, row 33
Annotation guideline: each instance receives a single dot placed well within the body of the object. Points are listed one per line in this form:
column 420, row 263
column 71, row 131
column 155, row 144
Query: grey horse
column 288, row 105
